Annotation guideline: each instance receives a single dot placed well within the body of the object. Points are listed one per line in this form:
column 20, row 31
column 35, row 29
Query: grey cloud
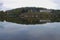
column 1, row 4
column 58, row 3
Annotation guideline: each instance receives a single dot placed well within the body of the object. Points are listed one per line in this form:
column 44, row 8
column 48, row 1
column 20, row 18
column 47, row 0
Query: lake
column 14, row 31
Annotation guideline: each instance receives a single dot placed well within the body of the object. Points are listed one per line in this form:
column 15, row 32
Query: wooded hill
column 30, row 14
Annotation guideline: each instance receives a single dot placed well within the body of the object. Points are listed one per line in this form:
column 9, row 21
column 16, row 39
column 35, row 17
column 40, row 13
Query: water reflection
column 13, row 31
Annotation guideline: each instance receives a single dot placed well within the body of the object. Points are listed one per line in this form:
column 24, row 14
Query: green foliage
column 14, row 15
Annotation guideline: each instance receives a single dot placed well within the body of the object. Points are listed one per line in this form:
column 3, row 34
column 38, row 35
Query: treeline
column 14, row 15
column 56, row 15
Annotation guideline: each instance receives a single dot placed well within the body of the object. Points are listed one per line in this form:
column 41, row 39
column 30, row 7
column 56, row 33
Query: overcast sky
column 11, row 4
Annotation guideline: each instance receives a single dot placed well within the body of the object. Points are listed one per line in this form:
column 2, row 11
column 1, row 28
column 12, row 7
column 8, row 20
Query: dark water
column 13, row 31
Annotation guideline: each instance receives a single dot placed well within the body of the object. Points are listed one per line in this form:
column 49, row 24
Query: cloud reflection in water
column 13, row 31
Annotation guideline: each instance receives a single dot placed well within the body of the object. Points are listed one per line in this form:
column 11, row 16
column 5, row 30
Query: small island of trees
column 30, row 15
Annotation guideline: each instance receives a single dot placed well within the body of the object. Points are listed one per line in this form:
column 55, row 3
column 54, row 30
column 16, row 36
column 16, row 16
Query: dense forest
column 30, row 15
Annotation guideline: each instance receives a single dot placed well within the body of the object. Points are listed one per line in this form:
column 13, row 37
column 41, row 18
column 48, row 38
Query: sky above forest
column 12, row 4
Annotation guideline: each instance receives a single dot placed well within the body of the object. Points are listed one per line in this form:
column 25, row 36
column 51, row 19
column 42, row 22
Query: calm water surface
column 14, row 31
